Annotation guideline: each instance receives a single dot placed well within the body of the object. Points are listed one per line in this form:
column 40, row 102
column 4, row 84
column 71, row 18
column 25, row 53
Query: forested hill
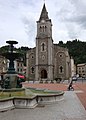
column 77, row 49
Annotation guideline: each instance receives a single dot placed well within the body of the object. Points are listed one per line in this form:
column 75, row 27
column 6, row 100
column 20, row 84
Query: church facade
column 47, row 61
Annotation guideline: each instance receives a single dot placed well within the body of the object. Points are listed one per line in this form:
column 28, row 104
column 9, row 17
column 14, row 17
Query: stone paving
column 78, row 86
column 70, row 108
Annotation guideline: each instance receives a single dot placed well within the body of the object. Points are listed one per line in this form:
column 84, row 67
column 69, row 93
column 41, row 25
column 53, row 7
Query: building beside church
column 81, row 70
column 47, row 60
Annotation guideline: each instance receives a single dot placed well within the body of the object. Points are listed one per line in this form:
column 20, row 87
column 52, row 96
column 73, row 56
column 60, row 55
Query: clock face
column 43, row 21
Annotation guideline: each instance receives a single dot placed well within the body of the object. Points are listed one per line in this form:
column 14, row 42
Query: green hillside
column 77, row 49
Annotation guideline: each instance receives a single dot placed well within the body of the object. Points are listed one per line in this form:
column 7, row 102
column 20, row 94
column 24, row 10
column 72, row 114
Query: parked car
column 74, row 78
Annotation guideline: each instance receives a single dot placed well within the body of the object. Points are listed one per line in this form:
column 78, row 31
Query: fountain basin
column 25, row 98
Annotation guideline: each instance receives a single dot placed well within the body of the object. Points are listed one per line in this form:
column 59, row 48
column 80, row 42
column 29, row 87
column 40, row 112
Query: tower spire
column 44, row 14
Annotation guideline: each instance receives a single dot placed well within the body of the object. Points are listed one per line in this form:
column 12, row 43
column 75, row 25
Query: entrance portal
column 43, row 74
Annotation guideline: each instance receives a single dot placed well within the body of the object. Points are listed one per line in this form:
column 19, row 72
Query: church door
column 43, row 74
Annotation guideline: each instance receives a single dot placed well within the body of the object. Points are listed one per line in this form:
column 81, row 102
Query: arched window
column 43, row 28
column 40, row 29
column 32, row 56
column 43, row 47
column 32, row 70
column 61, row 69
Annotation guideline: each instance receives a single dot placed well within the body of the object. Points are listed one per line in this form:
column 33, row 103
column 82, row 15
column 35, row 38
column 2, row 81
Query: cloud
column 72, row 14
column 18, row 20
column 30, row 29
column 80, row 14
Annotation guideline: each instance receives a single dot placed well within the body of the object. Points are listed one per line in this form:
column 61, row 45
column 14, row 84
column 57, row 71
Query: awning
column 21, row 76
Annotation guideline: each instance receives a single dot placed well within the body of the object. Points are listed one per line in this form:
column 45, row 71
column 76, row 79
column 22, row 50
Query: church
column 47, row 61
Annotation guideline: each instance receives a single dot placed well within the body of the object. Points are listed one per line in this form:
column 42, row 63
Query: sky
column 18, row 20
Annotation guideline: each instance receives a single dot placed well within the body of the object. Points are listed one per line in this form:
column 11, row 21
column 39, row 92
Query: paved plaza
column 70, row 108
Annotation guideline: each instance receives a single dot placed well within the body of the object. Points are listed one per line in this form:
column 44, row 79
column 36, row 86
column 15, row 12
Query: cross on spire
column 44, row 1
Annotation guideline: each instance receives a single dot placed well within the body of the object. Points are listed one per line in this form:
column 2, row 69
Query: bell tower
column 44, row 25
column 44, row 47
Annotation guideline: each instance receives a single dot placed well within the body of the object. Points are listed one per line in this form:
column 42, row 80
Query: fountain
column 13, row 96
column 10, row 78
